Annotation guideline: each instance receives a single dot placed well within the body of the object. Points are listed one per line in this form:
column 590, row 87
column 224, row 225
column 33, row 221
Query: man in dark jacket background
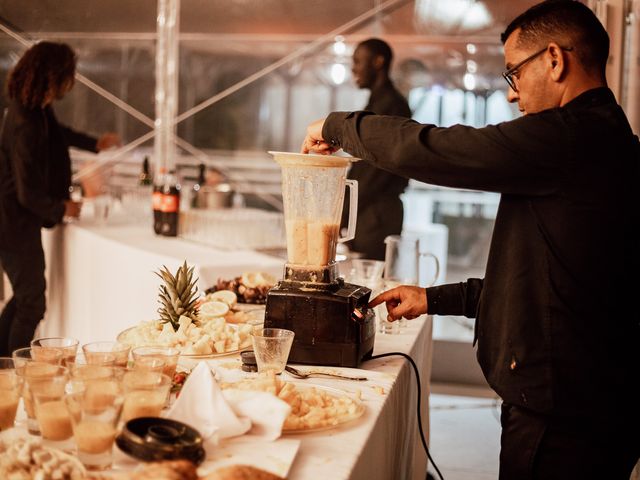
column 557, row 325
column 380, row 210
column 35, row 176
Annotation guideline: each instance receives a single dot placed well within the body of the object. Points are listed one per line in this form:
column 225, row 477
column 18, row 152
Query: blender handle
column 353, row 210
column 435, row 259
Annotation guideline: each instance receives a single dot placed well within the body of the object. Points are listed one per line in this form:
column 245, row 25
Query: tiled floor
column 465, row 436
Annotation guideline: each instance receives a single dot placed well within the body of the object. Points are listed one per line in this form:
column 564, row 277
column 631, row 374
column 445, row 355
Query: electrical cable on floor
column 422, row 437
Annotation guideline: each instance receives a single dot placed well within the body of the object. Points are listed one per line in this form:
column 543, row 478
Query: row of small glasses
column 105, row 353
column 82, row 396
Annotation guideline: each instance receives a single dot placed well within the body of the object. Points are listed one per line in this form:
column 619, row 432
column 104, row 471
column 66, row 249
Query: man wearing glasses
column 557, row 325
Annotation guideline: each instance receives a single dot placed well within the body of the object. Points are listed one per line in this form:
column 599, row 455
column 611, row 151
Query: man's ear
column 556, row 61
column 378, row 62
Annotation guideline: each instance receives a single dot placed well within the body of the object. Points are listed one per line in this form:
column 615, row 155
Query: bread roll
column 241, row 472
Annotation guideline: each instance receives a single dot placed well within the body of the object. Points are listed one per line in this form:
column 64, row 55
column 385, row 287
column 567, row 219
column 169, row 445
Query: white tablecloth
column 385, row 443
column 101, row 281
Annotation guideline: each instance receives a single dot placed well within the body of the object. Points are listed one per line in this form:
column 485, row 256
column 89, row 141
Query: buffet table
column 101, row 281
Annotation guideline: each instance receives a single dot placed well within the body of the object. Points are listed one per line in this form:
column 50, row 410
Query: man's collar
column 594, row 95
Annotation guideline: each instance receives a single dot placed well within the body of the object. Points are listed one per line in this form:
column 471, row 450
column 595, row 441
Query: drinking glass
column 367, row 273
column 47, row 396
column 95, row 407
column 29, row 369
column 68, row 346
column 167, row 354
column 96, row 352
column 81, row 370
column 149, row 364
column 271, row 347
column 145, row 394
column 45, row 355
column 10, row 391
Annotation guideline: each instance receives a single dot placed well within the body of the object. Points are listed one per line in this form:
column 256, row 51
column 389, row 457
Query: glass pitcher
column 402, row 267
column 313, row 196
column 402, row 262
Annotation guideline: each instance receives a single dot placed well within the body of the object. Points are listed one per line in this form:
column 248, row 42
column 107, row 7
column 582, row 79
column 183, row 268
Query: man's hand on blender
column 403, row 301
column 314, row 143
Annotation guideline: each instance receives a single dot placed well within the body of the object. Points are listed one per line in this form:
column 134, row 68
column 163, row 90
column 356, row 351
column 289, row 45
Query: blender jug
column 313, row 195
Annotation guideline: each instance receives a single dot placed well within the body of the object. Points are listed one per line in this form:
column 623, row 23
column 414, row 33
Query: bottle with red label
column 170, row 205
column 158, row 185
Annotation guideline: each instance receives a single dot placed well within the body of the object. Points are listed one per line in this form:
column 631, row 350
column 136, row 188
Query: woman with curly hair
column 35, row 176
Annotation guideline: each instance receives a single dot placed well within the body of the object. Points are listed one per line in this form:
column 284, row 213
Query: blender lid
column 311, row 159
column 152, row 439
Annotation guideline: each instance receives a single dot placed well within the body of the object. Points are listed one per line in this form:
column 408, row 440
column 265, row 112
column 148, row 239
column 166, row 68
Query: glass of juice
column 33, row 370
column 47, row 395
column 80, row 370
column 95, row 407
column 167, row 354
column 145, row 393
column 10, row 391
column 96, row 352
column 38, row 354
column 68, row 346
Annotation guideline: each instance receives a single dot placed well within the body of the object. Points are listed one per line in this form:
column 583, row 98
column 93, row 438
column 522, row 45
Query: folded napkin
column 266, row 411
column 202, row 405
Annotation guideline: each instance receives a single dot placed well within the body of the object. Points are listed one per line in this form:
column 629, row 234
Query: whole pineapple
column 178, row 295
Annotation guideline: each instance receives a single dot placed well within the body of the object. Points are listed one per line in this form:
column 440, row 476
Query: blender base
column 333, row 325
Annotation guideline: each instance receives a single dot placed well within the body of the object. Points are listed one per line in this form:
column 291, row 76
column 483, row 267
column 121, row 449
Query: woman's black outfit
column 557, row 325
column 35, row 176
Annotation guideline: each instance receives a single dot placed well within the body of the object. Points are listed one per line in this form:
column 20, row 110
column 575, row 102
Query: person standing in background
column 35, row 176
column 380, row 209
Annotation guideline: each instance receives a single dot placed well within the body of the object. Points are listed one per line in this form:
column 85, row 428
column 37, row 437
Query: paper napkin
column 266, row 411
column 202, row 405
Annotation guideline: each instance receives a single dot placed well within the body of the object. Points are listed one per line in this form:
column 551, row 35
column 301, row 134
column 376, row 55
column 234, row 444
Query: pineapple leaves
column 178, row 295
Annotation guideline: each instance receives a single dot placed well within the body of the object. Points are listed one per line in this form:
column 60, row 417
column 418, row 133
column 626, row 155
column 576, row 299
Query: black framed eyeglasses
column 508, row 74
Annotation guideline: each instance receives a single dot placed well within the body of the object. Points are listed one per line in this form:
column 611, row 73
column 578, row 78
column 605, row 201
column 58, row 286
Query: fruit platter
column 250, row 287
column 207, row 326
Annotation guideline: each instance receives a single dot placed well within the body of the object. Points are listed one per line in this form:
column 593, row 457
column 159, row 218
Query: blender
column 332, row 323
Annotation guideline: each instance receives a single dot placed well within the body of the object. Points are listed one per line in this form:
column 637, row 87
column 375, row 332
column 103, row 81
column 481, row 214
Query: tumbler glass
column 10, row 391
column 47, row 395
column 45, row 355
column 27, row 367
column 367, row 273
column 145, row 394
column 167, row 354
column 97, row 351
column 95, row 407
column 271, row 347
column 68, row 346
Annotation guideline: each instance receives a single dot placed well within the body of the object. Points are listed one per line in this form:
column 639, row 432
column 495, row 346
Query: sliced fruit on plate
column 226, row 296
column 257, row 279
column 213, row 309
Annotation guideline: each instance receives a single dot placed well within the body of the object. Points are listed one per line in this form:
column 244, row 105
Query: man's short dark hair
column 379, row 47
column 564, row 21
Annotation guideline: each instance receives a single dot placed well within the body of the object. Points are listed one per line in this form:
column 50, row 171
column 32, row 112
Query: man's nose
column 512, row 96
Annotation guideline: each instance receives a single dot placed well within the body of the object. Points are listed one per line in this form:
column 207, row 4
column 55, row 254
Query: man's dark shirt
column 557, row 323
column 35, row 171
column 379, row 206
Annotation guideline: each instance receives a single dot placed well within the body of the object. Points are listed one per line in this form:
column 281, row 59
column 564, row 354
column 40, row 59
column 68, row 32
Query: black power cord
column 422, row 437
